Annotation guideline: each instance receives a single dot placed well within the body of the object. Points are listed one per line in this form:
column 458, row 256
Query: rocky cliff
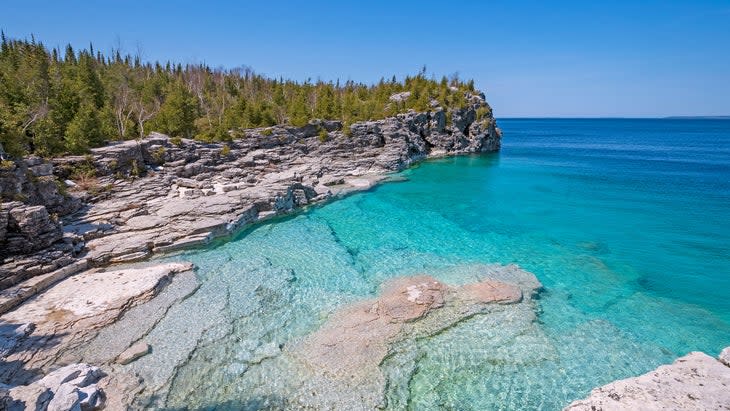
column 159, row 193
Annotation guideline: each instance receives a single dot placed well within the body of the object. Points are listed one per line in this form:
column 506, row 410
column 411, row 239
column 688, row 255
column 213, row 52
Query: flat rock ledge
column 345, row 356
column 693, row 382
column 52, row 328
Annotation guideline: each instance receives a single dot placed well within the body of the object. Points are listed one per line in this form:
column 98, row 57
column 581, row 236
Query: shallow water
column 625, row 222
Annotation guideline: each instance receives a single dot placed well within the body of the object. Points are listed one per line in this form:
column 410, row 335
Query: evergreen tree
column 178, row 113
column 84, row 131
column 52, row 104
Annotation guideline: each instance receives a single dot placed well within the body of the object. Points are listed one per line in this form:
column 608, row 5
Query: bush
column 7, row 165
column 135, row 170
column 323, row 135
column 482, row 112
column 159, row 155
column 225, row 151
column 83, row 170
column 176, row 141
column 267, row 132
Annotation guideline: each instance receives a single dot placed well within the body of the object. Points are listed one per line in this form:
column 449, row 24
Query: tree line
column 56, row 102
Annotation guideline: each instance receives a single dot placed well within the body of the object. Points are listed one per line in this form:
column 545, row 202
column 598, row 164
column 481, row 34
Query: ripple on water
column 631, row 279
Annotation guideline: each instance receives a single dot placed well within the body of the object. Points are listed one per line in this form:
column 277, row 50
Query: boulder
column 70, row 388
column 137, row 350
column 29, row 228
column 693, row 382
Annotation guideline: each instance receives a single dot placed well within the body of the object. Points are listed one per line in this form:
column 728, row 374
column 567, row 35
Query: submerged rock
column 137, row 350
column 693, row 382
column 346, row 355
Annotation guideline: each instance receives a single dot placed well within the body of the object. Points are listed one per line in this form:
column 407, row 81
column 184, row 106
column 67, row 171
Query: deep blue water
column 625, row 222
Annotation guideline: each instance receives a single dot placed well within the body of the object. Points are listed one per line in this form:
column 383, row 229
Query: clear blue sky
column 532, row 58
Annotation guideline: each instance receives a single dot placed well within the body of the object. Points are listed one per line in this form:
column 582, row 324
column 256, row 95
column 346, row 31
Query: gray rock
column 66, row 398
column 137, row 350
column 693, row 382
column 70, row 388
column 29, row 228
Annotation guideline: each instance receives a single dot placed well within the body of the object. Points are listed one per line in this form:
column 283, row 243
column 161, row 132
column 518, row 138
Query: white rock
column 725, row 356
column 693, row 382
column 137, row 350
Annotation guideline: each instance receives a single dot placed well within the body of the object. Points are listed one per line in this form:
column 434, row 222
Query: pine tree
column 178, row 113
column 84, row 131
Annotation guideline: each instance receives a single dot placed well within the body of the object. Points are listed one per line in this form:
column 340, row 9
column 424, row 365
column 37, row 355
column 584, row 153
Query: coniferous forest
column 55, row 102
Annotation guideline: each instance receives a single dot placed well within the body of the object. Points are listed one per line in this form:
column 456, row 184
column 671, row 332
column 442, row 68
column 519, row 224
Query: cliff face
column 160, row 193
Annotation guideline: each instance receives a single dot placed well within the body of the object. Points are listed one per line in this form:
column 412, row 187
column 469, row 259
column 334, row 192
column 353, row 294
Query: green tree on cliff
column 67, row 101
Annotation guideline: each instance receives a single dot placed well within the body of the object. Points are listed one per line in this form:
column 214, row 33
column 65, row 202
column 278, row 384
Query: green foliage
column 226, row 150
column 61, row 187
column 482, row 113
column 159, row 155
column 267, row 132
column 84, row 170
column 323, row 135
column 176, row 141
column 68, row 101
column 84, row 131
column 178, row 113
column 135, row 170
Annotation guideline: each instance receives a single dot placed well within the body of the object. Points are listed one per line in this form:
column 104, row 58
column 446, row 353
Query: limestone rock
column 137, row 350
column 29, row 228
column 346, row 353
column 73, row 387
column 693, row 382
column 71, row 312
column 725, row 356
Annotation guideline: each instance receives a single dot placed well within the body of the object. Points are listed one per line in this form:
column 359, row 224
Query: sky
column 531, row 58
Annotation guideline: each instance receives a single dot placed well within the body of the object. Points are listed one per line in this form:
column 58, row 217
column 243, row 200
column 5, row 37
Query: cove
column 626, row 223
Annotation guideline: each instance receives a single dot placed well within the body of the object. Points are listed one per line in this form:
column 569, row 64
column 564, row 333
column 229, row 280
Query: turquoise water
column 625, row 222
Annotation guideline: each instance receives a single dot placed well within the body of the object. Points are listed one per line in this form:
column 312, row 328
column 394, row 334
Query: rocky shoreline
column 161, row 194
column 81, row 342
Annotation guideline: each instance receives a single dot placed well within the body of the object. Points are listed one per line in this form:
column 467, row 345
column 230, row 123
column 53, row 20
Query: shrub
column 86, row 182
column 83, row 170
column 267, row 132
column 347, row 129
column 323, row 135
column 159, row 155
column 7, row 165
column 135, row 170
column 176, row 141
column 482, row 112
column 225, row 151
column 61, row 187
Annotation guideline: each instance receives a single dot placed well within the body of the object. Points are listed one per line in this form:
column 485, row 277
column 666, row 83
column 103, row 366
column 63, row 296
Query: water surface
column 625, row 222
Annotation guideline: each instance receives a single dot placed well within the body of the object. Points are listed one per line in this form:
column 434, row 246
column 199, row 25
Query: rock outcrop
column 31, row 238
column 346, row 355
column 693, row 382
column 70, row 388
column 52, row 327
column 159, row 194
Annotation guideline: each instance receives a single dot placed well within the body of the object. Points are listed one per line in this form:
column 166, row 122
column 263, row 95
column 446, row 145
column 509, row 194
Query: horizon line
column 688, row 117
